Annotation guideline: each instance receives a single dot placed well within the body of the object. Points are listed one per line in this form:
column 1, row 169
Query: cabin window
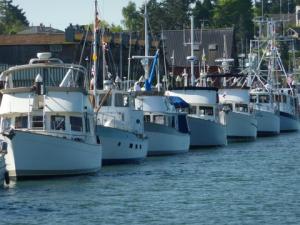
column 263, row 98
column 193, row 110
column 277, row 98
column 58, row 122
column 241, row 108
column 6, row 123
column 105, row 99
column 147, row 118
column 206, row 111
column 253, row 98
column 283, row 98
column 227, row 107
column 159, row 119
column 37, row 122
column 21, row 122
column 121, row 100
column 76, row 123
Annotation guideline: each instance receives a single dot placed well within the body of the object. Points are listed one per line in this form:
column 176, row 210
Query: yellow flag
column 94, row 57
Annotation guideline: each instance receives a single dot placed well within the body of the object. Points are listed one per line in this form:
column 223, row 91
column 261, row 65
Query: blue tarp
column 178, row 102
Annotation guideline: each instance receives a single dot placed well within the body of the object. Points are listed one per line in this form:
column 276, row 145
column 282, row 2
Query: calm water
column 244, row 183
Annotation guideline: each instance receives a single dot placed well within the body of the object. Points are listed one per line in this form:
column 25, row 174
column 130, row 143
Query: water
column 243, row 183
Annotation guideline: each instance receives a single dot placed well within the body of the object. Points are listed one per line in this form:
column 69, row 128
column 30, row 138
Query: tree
column 132, row 18
column 177, row 13
column 235, row 13
column 203, row 12
column 12, row 19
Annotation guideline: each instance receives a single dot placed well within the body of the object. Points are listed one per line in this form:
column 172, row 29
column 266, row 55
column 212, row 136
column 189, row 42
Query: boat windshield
column 263, row 98
column 50, row 75
column 241, row 108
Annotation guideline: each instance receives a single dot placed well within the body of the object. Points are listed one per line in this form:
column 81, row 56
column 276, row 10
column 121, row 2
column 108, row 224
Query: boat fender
column 10, row 133
column 6, row 178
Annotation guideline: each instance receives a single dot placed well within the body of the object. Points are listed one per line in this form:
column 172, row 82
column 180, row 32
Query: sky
column 60, row 13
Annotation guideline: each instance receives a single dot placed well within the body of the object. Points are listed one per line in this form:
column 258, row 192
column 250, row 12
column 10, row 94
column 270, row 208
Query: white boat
column 47, row 120
column 203, row 115
column 276, row 107
column 289, row 110
column 120, row 128
column 3, row 151
column 166, row 128
column 241, row 124
column 266, row 111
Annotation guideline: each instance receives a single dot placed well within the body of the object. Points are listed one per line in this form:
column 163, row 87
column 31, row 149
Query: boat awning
column 178, row 102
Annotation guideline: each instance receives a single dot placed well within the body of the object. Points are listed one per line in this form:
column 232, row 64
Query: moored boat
column 47, row 120
column 266, row 111
column 203, row 115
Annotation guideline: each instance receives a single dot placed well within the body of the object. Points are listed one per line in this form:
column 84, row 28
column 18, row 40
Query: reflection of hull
column 240, row 127
column 120, row 146
column 206, row 132
column 2, row 169
column 268, row 123
column 288, row 122
column 165, row 140
column 37, row 155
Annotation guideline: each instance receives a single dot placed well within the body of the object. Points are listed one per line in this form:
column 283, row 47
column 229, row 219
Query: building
column 209, row 41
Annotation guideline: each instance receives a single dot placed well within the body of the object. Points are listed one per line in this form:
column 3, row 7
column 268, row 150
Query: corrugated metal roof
column 206, row 38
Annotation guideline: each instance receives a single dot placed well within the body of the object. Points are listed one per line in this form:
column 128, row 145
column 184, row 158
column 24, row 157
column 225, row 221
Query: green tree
column 235, row 13
column 177, row 13
column 132, row 18
column 203, row 12
column 12, row 19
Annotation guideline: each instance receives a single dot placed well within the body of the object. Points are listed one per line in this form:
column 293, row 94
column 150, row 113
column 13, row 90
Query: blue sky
column 60, row 13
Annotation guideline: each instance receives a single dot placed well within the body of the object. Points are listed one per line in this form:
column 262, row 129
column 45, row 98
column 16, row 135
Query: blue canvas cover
column 178, row 102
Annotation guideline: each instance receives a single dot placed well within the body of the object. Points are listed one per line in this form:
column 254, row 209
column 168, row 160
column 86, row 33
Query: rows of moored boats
column 55, row 121
column 52, row 125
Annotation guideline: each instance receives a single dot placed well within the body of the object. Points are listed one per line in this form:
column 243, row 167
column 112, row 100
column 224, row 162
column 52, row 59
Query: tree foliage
column 12, row 18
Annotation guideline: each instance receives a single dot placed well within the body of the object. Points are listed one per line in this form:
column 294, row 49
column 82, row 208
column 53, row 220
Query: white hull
column 240, row 127
column 288, row 123
column 2, row 170
column 206, row 132
column 36, row 155
column 268, row 123
column 120, row 146
column 165, row 140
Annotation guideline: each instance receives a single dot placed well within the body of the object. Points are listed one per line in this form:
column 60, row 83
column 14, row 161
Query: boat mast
column 95, row 52
column 192, row 52
column 146, row 42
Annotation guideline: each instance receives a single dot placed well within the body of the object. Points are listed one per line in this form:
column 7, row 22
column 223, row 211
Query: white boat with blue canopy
column 47, row 120
column 165, row 127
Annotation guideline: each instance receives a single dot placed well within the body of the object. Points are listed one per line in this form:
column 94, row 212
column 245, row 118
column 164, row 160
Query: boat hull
column 32, row 155
column 268, row 123
column 288, row 122
column 121, row 146
column 2, row 170
column 165, row 140
column 205, row 133
column 240, row 127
